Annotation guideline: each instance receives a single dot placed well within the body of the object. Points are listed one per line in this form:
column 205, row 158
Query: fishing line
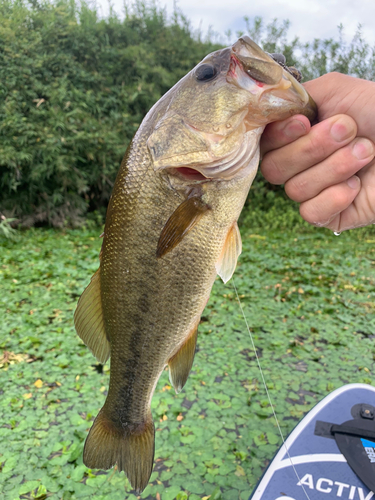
column 268, row 394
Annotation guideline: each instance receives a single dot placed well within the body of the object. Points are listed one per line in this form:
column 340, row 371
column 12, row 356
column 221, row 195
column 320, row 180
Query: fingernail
column 295, row 129
column 353, row 182
column 341, row 130
column 363, row 148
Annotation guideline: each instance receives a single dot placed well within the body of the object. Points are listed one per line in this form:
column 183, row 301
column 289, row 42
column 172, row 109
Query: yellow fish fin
column 228, row 259
column 131, row 447
column 180, row 223
column 180, row 364
column 88, row 320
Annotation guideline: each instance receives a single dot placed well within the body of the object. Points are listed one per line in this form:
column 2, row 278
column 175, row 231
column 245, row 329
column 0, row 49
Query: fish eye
column 279, row 58
column 205, row 72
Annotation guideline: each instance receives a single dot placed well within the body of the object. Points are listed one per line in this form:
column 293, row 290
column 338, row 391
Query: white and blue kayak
column 330, row 454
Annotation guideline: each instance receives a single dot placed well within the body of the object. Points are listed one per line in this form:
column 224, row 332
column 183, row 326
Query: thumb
column 279, row 134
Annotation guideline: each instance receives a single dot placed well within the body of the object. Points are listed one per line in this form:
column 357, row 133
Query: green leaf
column 28, row 486
column 272, row 438
column 171, row 493
column 96, row 481
column 78, row 473
column 45, row 432
column 41, row 492
column 216, row 494
column 182, row 496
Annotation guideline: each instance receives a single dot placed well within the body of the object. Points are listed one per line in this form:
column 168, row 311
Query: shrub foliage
column 74, row 88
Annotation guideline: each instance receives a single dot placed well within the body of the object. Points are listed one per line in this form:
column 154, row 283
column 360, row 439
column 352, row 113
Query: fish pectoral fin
column 131, row 447
column 180, row 364
column 227, row 262
column 183, row 219
column 89, row 322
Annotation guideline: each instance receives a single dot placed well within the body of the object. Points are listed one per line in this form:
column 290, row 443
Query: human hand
column 328, row 168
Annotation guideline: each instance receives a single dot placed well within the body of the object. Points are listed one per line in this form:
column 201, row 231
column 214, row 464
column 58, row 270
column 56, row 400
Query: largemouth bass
column 171, row 227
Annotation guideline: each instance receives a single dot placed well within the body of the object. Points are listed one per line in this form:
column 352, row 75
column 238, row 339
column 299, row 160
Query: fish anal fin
column 180, row 364
column 183, row 219
column 89, row 322
column 131, row 447
column 227, row 262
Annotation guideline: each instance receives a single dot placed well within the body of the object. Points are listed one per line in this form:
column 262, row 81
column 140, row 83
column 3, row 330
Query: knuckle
column 333, row 76
column 316, row 148
column 323, row 209
column 331, row 82
column 309, row 214
column 317, row 213
column 271, row 170
column 342, row 169
column 297, row 188
column 338, row 77
column 344, row 198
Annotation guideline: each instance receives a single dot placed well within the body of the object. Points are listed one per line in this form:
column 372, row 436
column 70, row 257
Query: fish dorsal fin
column 228, row 259
column 183, row 219
column 180, row 364
column 88, row 320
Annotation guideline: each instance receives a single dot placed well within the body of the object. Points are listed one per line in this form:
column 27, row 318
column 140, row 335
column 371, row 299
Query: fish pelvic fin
column 132, row 447
column 183, row 219
column 227, row 262
column 180, row 364
column 89, row 322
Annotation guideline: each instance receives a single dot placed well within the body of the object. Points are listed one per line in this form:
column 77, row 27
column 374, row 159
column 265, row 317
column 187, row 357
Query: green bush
column 73, row 91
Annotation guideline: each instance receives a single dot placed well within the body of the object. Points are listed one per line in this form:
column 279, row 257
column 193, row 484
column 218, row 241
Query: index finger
column 279, row 134
column 324, row 138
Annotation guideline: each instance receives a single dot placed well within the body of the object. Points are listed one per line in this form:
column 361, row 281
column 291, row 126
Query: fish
column 171, row 228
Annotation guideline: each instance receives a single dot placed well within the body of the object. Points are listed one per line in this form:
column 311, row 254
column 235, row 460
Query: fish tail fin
column 131, row 447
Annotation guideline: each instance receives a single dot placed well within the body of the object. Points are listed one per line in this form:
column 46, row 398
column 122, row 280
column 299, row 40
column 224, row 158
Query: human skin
column 329, row 168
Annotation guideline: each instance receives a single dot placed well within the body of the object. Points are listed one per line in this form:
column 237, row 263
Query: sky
column 309, row 18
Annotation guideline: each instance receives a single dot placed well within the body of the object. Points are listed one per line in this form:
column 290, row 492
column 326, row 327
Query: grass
column 309, row 299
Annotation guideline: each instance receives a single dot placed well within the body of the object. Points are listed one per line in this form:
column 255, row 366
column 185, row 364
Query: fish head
column 212, row 125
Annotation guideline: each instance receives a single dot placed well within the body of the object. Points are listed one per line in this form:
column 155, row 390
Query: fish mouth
column 241, row 76
column 257, row 72
column 190, row 174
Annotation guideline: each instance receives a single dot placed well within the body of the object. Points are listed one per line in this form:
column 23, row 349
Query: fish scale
column 169, row 232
